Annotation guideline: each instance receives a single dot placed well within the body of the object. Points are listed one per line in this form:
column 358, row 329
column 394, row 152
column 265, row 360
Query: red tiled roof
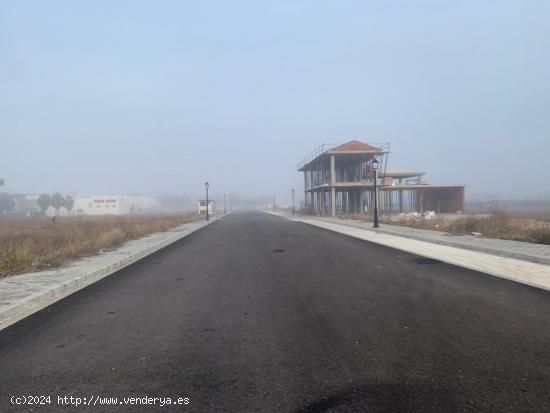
column 355, row 146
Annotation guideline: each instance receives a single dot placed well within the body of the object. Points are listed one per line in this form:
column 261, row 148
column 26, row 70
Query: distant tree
column 44, row 202
column 69, row 202
column 7, row 203
column 57, row 202
column 2, row 181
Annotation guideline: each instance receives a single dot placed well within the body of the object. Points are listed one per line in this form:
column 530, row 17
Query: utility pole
column 292, row 201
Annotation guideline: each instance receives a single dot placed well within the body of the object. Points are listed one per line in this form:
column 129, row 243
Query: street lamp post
column 375, row 167
column 206, row 185
column 292, row 201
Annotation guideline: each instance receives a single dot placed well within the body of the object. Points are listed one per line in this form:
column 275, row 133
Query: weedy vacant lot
column 32, row 244
column 501, row 225
column 496, row 225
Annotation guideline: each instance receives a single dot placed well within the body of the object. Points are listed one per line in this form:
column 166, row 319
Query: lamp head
column 375, row 164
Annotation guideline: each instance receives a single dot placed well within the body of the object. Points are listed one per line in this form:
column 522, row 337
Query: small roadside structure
column 202, row 207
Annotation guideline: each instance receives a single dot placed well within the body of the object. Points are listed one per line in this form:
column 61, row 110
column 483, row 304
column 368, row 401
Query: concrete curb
column 43, row 297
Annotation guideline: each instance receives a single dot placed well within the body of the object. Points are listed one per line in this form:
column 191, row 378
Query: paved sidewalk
column 24, row 294
column 526, row 251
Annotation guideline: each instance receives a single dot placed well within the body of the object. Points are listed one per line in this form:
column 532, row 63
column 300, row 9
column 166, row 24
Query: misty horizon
column 122, row 98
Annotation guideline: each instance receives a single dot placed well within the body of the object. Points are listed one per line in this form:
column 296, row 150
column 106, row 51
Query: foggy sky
column 159, row 97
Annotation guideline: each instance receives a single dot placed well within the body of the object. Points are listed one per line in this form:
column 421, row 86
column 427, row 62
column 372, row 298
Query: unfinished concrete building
column 339, row 180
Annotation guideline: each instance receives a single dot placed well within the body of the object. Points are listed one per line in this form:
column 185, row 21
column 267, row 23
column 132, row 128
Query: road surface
column 255, row 313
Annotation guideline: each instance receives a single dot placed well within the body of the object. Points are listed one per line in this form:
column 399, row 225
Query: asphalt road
column 258, row 314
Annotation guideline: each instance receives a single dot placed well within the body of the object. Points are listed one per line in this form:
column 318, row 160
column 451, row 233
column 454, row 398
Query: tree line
column 56, row 201
column 44, row 201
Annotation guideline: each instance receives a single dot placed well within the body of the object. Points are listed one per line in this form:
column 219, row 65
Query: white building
column 114, row 205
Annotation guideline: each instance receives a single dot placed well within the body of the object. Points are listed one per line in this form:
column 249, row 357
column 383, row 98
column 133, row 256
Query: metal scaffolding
column 339, row 180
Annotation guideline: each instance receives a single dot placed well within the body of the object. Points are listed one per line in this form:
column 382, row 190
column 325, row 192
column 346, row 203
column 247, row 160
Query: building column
column 318, row 194
column 305, row 190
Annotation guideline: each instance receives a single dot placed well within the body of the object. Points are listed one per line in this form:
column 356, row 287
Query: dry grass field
column 33, row 244
column 496, row 225
column 501, row 225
